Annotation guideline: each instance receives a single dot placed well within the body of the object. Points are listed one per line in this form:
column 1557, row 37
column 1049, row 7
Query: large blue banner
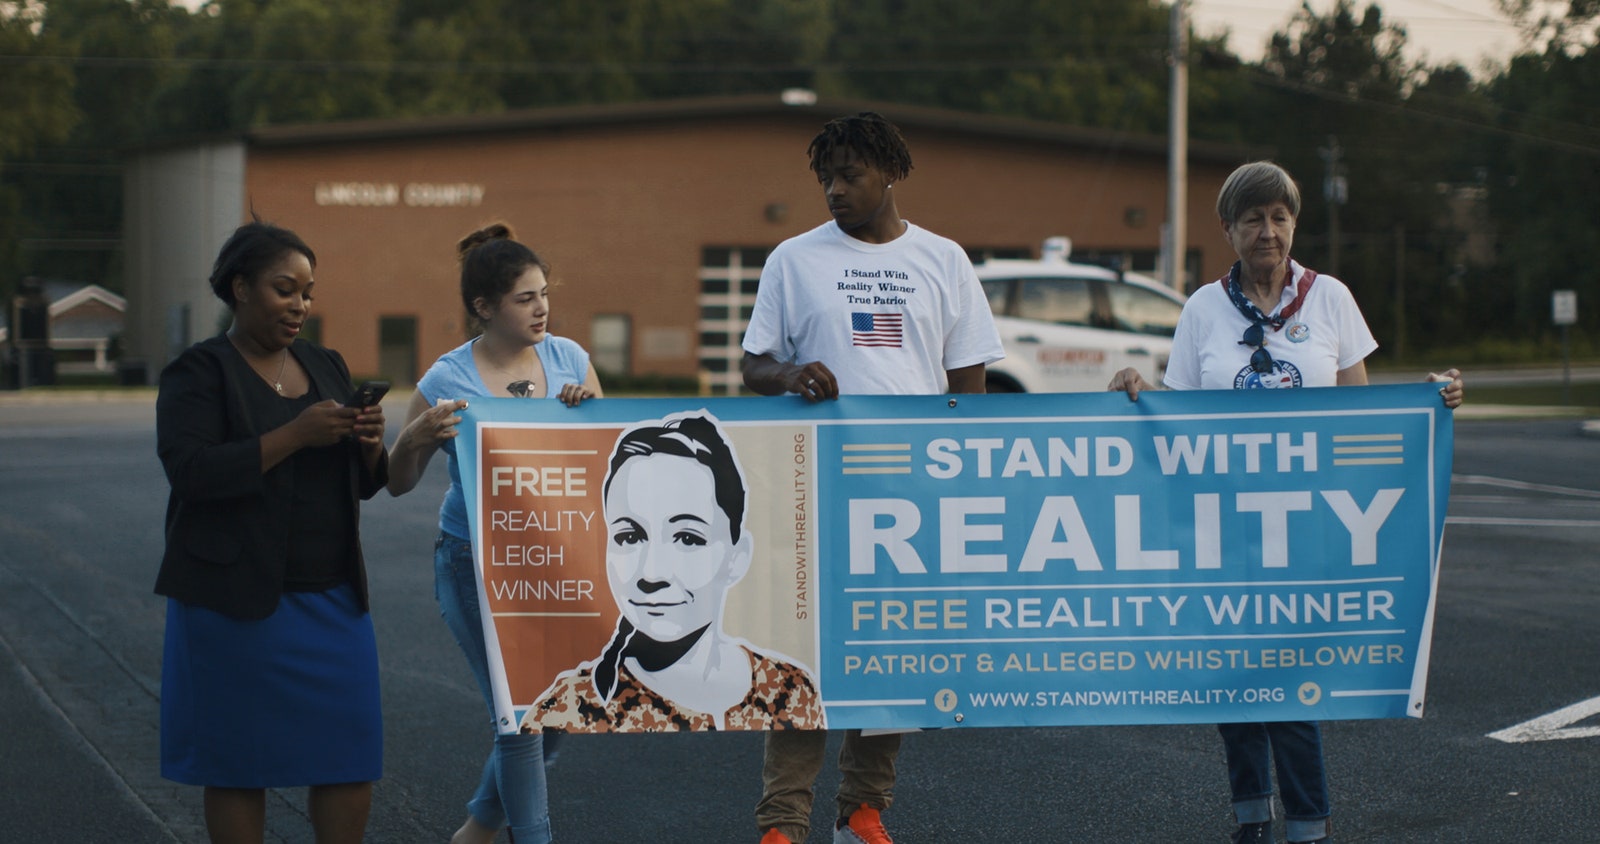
column 909, row 562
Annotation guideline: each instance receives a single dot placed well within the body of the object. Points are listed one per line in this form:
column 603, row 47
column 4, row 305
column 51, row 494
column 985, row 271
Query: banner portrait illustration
column 674, row 503
column 915, row 561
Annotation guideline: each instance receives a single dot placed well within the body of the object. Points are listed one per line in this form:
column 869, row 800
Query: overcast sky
column 1466, row 31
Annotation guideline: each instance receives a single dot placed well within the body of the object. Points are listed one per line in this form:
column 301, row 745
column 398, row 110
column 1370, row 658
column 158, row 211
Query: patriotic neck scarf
column 1253, row 313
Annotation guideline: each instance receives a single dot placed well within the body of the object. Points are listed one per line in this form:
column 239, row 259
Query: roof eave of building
column 87, row 293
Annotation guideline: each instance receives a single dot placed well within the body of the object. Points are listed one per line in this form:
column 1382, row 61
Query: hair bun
column 491, row 232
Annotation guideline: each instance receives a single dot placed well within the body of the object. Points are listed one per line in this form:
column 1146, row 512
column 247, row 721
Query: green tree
column 486, row 55
column 1545, row 188
column 121, row 51
column 1220, row 90
column 35, row 83
column 1450, row 118
column 206, row 46
column 1334, row 104
column 434, row 71
column 36, row 108
column 257, row 62
column 494, row 54
column 124, row 51
column 1557, row 25
column 1095, row 62
column 311, row 60
column 703, row 47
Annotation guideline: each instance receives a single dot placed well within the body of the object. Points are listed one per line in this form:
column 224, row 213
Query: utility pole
column 1400, row 291
column 1336, row 191
column 1175, row 242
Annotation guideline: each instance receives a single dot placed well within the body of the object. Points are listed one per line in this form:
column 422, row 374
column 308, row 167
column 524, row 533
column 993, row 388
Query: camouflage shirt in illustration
column 782, row 696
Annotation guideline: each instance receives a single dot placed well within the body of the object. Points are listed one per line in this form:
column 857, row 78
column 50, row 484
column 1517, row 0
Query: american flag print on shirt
column 875, row 329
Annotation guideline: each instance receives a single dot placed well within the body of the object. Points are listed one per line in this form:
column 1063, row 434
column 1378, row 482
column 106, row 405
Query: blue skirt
column 289, row 700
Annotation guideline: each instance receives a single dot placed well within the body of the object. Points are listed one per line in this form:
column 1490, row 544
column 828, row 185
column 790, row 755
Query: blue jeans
column 1295, row 749
column 511, row 791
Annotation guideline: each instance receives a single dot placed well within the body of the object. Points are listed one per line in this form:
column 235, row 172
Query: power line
column 562, row 67
column 1457, row 11
column 1406, row 109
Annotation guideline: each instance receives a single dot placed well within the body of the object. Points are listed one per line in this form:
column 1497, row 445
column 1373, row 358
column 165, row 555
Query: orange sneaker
column 773, row 836
column 862, row 827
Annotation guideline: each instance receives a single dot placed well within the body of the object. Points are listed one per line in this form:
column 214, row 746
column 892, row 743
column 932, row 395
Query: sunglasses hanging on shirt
column 1256, row 337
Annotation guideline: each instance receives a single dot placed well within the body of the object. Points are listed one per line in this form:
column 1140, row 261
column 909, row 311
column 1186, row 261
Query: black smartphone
column 368, row 394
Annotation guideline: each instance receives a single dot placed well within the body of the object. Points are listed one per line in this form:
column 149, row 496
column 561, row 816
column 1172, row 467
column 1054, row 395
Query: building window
column 729, row 276
column 610, row 342
column 312, row 330
column 397, row 349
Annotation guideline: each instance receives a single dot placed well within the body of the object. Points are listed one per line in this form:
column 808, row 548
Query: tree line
column 1468, row 195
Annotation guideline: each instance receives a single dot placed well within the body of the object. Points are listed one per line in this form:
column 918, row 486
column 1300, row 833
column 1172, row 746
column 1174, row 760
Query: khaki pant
column 793, row 760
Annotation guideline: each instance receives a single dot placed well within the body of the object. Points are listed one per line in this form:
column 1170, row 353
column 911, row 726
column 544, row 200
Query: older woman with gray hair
column 1271, row 323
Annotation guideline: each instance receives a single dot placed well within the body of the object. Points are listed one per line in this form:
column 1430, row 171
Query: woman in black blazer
column 270, row 672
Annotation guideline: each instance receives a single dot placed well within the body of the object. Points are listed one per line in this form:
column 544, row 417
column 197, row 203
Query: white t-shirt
column 886, row 318
column 1326, row 335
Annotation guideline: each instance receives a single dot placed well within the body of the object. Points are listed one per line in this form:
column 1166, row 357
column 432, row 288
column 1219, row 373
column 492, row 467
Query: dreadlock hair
column 877, row 141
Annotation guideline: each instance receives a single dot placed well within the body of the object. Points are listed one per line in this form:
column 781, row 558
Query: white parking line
column 1507, row 483
column 1512, row 522
column 1554, row 725
column 1584, row 496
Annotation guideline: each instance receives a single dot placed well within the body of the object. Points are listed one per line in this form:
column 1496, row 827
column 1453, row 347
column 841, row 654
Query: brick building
column 654, row 216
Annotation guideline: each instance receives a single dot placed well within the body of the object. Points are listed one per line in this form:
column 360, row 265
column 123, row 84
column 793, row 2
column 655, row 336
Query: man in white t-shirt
column 865, row 304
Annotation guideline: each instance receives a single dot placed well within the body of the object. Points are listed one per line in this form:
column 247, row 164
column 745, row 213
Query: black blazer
column 227, row 521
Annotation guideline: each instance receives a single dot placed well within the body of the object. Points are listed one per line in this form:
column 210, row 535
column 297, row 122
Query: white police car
column 1068, row 327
